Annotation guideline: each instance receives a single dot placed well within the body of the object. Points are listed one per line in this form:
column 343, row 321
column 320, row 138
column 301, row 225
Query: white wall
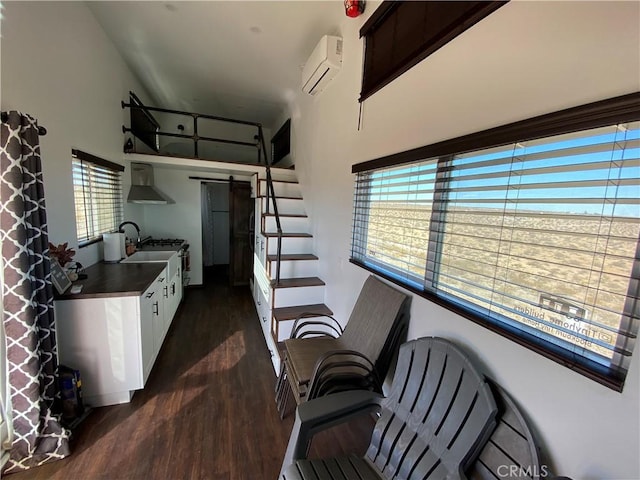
column 59, row 66
column 526, row 59
column 183, row 218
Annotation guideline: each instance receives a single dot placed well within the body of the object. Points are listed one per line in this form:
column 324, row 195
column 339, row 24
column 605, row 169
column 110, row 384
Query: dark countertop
column 116, row 280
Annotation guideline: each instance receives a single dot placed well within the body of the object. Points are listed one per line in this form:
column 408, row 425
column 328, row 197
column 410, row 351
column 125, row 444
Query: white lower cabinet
column 115, row 341
column 173, row 295
column 261, row 290
column 158, row 302
column 147, row 337
column 154, row 322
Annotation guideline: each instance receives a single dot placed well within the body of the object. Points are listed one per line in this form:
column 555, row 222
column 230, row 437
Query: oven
column 186, row 264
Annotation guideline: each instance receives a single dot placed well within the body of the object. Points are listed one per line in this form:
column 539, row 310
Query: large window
column 536, row 238
column 97, row 190
column 400, row 34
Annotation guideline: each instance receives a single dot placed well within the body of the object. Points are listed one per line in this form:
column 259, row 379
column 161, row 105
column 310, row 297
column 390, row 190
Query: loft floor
column 208, row 411
column 248, row 162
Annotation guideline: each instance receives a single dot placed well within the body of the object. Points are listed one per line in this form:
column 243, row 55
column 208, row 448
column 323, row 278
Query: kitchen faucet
column 135, row 225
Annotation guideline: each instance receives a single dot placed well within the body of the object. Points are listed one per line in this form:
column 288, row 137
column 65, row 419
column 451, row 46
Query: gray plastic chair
column 511, row 451
column 437, row 418
column 320, row 358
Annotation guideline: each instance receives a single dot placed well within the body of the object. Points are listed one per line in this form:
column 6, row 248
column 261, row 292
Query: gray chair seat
column 302, row 354
column 349, row 467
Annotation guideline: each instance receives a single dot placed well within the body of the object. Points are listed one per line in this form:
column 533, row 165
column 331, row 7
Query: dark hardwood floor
column 207, row 412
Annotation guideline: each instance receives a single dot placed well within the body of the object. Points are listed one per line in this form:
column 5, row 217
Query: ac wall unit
column 323, row 64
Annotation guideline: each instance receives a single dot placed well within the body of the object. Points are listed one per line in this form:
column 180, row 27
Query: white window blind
column 97, row 188
column 391, row 219
column 539, row 238
column 543, row 236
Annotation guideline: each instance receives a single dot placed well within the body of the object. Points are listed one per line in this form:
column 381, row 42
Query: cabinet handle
column 156, row 309
column 259, row 303
column 161, row 279
column 264, row 319
column 173, row 289
column 166, row 292
column 149, row 295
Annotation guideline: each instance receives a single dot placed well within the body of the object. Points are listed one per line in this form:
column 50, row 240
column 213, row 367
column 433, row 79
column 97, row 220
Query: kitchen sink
column 169, row 257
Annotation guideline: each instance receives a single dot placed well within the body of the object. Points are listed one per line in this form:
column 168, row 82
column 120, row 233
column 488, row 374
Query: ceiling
column 235, row 59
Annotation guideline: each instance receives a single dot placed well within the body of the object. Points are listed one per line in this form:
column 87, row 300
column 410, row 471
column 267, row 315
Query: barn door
column 241, row 257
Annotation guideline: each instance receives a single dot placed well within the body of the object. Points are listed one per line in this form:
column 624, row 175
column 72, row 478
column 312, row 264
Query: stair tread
column 298, row 282
column 291, row 313
column 290, row 215
column 292, row 256
column 287, row 235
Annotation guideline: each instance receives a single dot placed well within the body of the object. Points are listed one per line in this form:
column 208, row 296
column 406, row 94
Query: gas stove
column 163, row 242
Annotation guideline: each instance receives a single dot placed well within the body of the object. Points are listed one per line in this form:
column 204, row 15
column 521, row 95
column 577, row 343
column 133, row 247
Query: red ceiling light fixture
column 353, row 8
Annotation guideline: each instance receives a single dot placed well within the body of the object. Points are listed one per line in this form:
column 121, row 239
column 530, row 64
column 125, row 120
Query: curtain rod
column 41, row 130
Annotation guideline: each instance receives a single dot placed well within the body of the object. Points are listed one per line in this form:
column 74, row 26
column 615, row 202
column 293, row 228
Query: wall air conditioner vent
column 323, row 64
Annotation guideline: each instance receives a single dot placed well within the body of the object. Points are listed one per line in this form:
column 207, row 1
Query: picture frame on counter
column 59, row 277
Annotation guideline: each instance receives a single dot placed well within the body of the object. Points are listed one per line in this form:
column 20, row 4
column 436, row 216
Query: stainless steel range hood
column 143, row 189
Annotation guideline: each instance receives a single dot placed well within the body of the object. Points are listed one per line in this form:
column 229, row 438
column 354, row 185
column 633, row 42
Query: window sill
column 86, row 243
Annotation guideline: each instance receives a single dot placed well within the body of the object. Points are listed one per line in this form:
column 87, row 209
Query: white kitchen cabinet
column 173, row 296
column 157, row 311
column 147, row 337
column 159, row 307
column 261, row 248
column 114, row 341
column 262, row 298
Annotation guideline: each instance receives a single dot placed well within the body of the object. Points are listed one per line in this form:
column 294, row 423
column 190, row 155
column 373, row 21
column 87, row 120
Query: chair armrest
column 341, row 365
column 322, row 413
column 300, row 323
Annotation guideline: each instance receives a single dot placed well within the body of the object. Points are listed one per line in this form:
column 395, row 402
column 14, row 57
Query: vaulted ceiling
column 237, row 59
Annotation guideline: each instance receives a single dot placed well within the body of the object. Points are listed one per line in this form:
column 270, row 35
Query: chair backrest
column 376, row 321
column 438, row 415
column 511, row 451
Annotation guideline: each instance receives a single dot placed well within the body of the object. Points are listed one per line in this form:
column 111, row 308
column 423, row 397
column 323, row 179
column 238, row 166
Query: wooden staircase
column 299, row 290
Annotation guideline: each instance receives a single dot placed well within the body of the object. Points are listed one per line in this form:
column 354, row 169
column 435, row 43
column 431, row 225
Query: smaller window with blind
column 536, row 238
column 97, row 191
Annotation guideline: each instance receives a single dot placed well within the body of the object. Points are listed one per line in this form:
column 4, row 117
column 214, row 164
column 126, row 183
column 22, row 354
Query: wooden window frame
column 625, row 108
column 92, row 161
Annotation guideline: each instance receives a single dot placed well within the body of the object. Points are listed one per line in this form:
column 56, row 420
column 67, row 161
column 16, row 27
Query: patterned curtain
column 27, row 297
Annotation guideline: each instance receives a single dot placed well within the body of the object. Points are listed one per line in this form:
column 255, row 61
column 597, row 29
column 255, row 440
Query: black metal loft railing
column 146, row 127
column 149, row 127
